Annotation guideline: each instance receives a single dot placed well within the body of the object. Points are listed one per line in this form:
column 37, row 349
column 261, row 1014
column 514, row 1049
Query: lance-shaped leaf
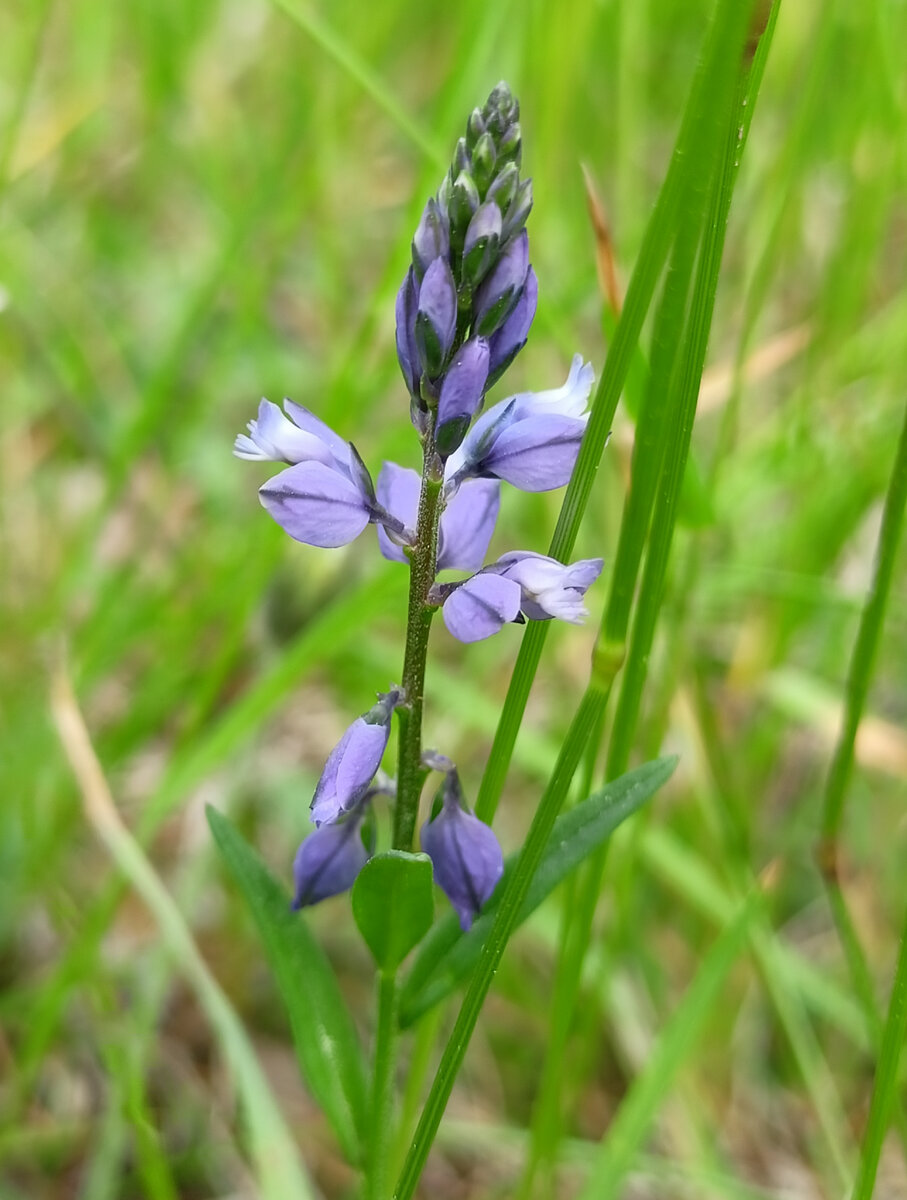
column 324, row 1036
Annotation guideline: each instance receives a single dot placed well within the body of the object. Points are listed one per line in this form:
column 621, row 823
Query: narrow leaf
column 327, row 1047
column 448, row 955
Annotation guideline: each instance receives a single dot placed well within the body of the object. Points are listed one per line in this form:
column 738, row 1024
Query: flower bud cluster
column 464, row 311
column 467, row 302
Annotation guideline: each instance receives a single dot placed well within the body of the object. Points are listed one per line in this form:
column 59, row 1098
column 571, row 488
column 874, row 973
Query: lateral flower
column 530, row 440
column 520, row 582
column 329, row 859
column 549, row 588
column 352, row 764
column 467, row 522
column 316, row 504
column 465, row 854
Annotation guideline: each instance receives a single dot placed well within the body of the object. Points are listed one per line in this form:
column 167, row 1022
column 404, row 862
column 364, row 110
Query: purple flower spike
column 352, row 764
column 499, row 292
column 549, row 588
column 510, row 339
column 467, row 522
column 407, row 350
column 328, row 861
column 432, row 237
column 481, row 606
column 464, row 852
column 436, row 317
column 461, row 394
column 316, row 504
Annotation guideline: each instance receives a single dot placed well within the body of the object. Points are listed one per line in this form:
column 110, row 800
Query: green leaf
column 393, row 905
column 447, row 955
column 327, row 1047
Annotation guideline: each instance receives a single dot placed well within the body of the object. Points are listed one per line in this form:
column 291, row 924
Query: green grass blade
column 885, row 1088
column 359, row 70
column 691, row 343
column 325, row 1038
column 724, row 35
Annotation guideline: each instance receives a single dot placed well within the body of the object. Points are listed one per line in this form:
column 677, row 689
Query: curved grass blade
column 280, row 1173
column 327, row 1047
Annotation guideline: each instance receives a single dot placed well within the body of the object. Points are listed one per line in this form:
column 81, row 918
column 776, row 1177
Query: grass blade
column 279, row 1170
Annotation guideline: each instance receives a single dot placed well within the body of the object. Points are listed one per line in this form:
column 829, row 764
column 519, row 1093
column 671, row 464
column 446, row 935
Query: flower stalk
column 423, row 568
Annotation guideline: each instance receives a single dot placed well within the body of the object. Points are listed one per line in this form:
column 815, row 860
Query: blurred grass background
column 205, row 203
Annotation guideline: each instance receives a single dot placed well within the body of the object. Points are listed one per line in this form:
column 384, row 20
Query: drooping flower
column 530, row 440
column 407, row 350
column 352, row 764
column 510, row 339
column 465, row 854
column 467, row 522
column 328, row 860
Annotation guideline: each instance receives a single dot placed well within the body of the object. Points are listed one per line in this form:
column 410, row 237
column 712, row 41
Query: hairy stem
column 423, row 564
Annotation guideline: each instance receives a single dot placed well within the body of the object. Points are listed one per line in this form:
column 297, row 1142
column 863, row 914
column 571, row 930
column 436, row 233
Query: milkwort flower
column 464, row 852
column 520, row 584
column 463, row 312
column 329, row 859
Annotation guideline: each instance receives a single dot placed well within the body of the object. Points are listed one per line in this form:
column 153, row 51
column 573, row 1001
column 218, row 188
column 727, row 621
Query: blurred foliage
column 205, row 203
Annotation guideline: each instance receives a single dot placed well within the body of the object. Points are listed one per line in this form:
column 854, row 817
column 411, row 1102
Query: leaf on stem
column 327, row 1047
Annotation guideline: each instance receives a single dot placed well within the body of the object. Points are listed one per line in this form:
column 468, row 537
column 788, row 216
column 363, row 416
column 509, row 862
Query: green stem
column 423, row 565
column 381, row 1143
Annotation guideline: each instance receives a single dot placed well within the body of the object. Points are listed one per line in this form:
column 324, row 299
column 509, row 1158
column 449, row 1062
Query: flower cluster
column 463, row 313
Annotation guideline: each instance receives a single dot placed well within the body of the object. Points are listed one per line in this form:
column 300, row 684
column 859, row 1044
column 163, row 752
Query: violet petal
column 467, row 524
column 397, row 490
column 481, row 606
column 328, row 862
column 315, row 504
column 536, row 454
column 466, row 859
